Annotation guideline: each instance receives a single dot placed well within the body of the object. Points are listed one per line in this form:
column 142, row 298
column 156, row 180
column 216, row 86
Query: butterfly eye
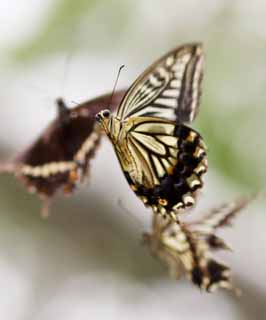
column 98, row 117
column 106, row 113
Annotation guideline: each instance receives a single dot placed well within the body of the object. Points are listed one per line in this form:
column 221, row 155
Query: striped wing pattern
column 61, row 155
column 195, row 255
column 192, row 245
column 169, row 89
column 176, row 245
column 169, row 160
column 221, row 216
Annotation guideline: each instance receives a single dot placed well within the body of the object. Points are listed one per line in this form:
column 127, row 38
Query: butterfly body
column 162, row 159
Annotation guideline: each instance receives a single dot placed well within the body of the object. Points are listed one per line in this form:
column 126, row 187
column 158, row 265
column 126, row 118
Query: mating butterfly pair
column 163, row 159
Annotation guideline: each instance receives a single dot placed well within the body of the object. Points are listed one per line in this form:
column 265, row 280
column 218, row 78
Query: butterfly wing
column 60, row 156
column 169, row 89
column 175, row 243
column 193, row 244
column 169, row 160
column 202, row 269
column 221, row 216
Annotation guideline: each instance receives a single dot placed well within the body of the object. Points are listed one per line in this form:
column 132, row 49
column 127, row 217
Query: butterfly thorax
column 117, row 130
column 118, row 134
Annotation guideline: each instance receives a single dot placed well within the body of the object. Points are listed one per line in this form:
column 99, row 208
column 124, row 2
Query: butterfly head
column 103, row 115
column 104, row 118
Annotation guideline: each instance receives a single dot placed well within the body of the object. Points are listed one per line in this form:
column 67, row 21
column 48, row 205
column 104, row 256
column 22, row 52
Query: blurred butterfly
column 163, row 160
column 59, row 158
column 190, row 246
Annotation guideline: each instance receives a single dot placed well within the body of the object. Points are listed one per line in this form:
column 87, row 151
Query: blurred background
column 86, row 260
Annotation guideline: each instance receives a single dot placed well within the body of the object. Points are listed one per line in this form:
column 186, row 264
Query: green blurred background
column 86, row 260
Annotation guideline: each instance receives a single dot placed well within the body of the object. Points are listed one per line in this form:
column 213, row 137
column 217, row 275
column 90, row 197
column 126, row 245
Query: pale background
column 86, row 260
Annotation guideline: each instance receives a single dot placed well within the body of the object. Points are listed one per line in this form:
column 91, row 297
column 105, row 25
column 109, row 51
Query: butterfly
column 59, row 158
column 190, row 246
column 163, row 160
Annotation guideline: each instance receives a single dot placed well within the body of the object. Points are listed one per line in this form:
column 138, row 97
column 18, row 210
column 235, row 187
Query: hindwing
column 169, row 161
column 183, row 249
column 192, row 245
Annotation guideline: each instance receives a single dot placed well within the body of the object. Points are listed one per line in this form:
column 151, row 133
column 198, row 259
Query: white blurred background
column 86, row 260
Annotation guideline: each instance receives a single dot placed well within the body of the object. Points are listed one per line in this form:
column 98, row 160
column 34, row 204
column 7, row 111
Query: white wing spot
column 171, row 93
column 171, row 103
column 169, row 61
column 175, row 84
column 155, row 81
column 159, row 168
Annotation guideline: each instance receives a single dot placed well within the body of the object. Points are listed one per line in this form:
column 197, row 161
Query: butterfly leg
column 8, row 167
column 46, row 206
column 73, row 178
column 174, row 216
column 172, row 262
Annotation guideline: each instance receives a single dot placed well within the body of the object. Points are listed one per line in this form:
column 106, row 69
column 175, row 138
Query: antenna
column 66, row 71
column 133, row 217
column 117, row 77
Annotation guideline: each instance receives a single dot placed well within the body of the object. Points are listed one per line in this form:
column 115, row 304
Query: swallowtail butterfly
column 190, row 247
column 163, row 160
column 60, row 157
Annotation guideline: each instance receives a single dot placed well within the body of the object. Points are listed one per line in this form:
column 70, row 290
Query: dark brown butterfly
column 189, row 246
column 59, row 158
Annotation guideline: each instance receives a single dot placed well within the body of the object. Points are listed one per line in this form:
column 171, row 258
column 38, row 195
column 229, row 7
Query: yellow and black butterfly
column 162, row 159
column 190, row 246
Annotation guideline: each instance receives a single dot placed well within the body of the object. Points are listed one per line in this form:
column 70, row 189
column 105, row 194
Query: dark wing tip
column 191, row 90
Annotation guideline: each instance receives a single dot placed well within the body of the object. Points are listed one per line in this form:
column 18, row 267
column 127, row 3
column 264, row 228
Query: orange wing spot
column 133, row 187
column 163, row 202
column 170, row 170
column 73, row 176
column 191, row 137
column 68, row 189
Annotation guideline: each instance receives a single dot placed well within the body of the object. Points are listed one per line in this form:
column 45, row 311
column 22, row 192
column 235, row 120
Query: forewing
column 169, row 89
column 221, row 216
